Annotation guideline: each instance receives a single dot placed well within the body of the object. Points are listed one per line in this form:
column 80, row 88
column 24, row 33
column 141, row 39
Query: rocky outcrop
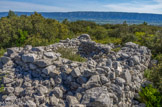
column 40, row 77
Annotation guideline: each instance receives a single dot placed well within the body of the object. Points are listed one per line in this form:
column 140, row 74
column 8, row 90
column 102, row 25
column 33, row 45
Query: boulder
column 28, row 58
column 84, row 37
column 50, row 55
column 96, row 97
column 4, row 59
column 43, row 63
column 71, row 101
column 75, row 72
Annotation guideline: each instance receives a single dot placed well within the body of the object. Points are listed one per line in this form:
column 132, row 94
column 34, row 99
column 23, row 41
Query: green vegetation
column 2, row 51
column 69, row 53
column 36, row 30
column 116, row 49
column 1, row 85
column 150, row 96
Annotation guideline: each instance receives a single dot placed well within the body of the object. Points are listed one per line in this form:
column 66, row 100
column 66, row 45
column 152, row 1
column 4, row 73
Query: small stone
column 120, row 81
column 88, row 73
column 71, row 100
column 136, row 59
column 50, row 55
column 96, row 97
column 43, row 63
column 54, row 101
column 18, row 90
column 42, row 90
column 7, row 80
column 30, row 103
column 76, row 72
column 9, row 90
column 84, row 37
column 94, row 81
column 127, row 76
column 38, row 49
column 4, row 59
column 104, row 80
column 28, row 47
column 78, row 105
column 32, row 66
column 58, row 92
column 10, row 99
column 28, row 57
column 117, row 66
column 49, row 69
column 109, row 63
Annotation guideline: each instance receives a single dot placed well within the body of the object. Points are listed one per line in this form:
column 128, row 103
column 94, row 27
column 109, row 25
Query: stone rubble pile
column 40, row 77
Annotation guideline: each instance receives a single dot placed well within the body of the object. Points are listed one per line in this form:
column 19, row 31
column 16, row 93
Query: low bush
column 1, row 85
column 2, row 51
column 150, row 96
column 69, row 53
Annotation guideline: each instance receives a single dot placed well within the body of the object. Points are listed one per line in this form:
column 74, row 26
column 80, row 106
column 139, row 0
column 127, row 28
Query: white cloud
column 136, row 7
column 29, row 7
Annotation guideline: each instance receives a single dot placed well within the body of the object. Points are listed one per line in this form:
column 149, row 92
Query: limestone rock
column 28, row 57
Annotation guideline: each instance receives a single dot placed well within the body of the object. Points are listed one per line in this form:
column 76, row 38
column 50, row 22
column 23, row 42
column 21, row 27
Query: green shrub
column 1, row 85
column 69, row 53
column 2, row 51
column 150, row 96
column 116, row 49
column 155, row 76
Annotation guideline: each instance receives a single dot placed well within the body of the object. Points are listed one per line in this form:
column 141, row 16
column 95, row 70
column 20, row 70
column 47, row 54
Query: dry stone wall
column 40, row 77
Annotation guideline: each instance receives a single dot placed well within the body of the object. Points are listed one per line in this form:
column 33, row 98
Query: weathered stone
column 76, row 72
column 131, row 45
column 96, row 97
column 43, row 63
column 94, row 81
column 41, row 90
column 49, row 69
column 104, row 80
column 18, row 90
column 1, row 65
column 58, row 92
column 78, row 105
column 7, row 80
column 10, row 99
column 88, row 73
column 81, row 80
column 120, row 81
column 4, row 59
column 30, row 103
column 28, row 47
column 54, row 101
column 127, row 76
column 84, row 37
column 9, row 90
column 28, row 57
column 71, row 100
column 32, row 66
column 50, row 55
column 117, row 66
column 38, row 49
column 136, row 59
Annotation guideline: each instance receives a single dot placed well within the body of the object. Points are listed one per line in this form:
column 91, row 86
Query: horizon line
column 82, row 11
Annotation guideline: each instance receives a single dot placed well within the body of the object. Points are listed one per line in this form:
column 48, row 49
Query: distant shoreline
column 100, row 17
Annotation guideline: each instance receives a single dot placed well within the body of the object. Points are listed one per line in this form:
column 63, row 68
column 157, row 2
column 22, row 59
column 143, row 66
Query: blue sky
column 140, row 6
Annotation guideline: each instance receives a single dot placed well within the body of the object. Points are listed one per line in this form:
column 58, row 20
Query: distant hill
column 100, row 17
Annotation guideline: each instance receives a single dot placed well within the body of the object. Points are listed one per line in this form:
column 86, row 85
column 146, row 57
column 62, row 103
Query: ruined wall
column 40, row 77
